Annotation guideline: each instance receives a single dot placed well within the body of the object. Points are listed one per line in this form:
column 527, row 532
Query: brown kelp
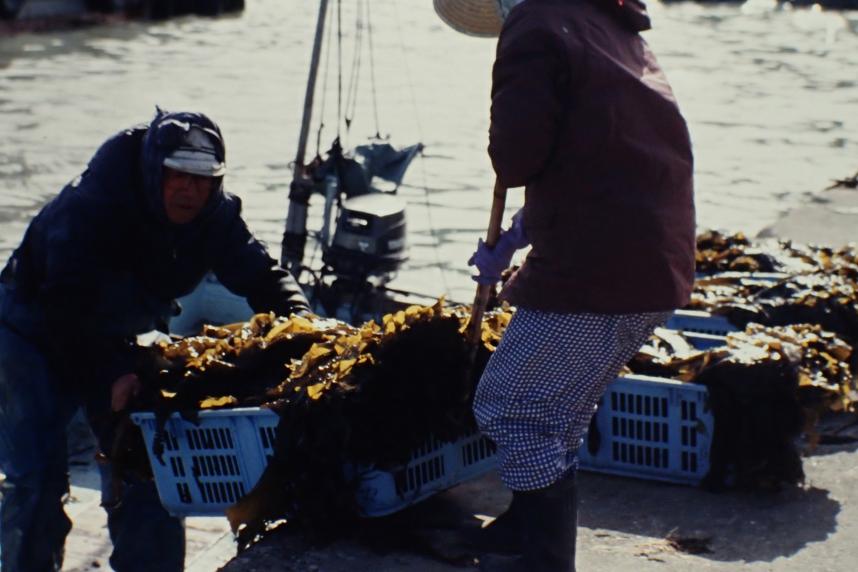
column 348, row 398
column 766, row 385
column 669, row 354
column 777, row 283
column 824, row 298
column 719, row 252
column 845, row 183
column 821, row 358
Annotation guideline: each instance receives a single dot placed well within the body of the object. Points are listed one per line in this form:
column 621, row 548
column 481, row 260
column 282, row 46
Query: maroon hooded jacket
column 583, row 116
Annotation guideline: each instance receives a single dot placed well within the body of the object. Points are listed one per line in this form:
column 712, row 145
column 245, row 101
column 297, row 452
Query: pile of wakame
column 347, row 397
column 777, row 283
column 766, row 386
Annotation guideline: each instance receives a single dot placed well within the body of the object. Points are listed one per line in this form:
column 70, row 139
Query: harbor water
column 770, row 93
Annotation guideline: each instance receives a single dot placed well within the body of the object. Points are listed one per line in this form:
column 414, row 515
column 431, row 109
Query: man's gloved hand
column 492, row 261
column 123, row 389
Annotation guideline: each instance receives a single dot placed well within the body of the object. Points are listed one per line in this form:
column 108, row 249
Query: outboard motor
column 370, row 236
column 365, row 245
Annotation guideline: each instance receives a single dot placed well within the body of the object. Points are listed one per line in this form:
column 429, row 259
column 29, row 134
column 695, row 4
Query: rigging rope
column 354, row 79
column 351, row 99
column 439, row 263
column 372, row 68
column 324, row 89
column 347, row 107
column 339, row 65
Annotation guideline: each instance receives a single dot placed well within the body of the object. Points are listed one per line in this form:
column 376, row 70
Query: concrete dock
column 624, row 524
column 631, row 525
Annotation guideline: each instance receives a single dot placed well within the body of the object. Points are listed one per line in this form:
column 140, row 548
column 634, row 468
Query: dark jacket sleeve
column 88, row 301
column 246, row 269
column 526, row 104
column 82, row 334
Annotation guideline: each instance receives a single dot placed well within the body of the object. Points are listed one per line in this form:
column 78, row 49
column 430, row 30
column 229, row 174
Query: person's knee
column 35, row 485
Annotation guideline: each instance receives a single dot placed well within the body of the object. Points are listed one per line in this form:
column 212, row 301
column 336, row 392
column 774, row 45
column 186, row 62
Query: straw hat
column 480, row 18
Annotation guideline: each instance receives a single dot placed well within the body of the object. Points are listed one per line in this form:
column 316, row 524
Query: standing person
column 100, row 263
column 583, row 117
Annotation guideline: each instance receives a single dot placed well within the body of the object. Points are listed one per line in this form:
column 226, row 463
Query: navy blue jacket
column 101, row 261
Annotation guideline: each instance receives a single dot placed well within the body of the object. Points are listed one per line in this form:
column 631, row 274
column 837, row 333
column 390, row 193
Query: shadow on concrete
column 835, row 433
column 82, row 447
column 734, row 526
column 730, row 527
column 723, row 527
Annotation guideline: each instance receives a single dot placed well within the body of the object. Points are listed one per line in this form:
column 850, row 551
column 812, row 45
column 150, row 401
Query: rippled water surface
column 771, row 96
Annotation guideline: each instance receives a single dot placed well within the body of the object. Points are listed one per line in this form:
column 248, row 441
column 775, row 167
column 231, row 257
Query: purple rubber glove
column 492, row 261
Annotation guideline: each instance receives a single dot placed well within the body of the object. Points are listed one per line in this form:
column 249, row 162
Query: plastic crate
column 700, row 322
column 434, row 467
column 651, row 427
column 648, row 427
column 704, row 341
column 209, row 466
column 739, row 275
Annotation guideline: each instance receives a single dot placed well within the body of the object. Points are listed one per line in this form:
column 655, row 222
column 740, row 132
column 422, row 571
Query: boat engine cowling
column 370, row 236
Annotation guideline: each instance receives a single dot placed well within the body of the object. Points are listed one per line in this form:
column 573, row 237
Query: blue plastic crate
column 700, row 322
column 704, row 341
column 209, row 466
column 476, row 456
column 649, row 427
column 433, row 467
column 653, row 428
column 739, row 275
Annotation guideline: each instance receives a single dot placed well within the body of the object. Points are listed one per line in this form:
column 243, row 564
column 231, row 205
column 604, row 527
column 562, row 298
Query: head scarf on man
column 185, row 141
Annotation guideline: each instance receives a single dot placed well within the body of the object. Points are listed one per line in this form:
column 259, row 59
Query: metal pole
column 295, row 235
column 311, row 86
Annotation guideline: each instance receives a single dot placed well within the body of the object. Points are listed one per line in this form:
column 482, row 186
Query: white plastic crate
column 654, row 428
column 208, row 467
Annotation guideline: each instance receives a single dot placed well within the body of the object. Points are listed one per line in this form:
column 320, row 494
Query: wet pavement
column 637, row 525
column 625, row 524
column 88, row 547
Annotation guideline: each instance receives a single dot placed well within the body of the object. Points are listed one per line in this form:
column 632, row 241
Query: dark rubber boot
column 549, row 519
column 503, row 534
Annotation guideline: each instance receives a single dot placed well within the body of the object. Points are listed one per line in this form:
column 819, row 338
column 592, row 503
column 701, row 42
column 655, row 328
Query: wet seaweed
column 767, row 385
column 811, row 284
column 350, row 399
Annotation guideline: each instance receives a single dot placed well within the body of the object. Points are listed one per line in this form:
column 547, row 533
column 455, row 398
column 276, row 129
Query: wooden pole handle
column 484, row 290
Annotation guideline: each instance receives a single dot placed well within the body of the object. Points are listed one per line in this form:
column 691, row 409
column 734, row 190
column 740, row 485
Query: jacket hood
column 632, row 13
column 164, row 135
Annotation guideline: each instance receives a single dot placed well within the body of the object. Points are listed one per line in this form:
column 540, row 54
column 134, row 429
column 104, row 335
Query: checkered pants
column 543, row 383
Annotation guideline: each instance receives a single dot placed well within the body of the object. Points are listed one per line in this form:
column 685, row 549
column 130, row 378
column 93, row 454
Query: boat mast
column 295, row 235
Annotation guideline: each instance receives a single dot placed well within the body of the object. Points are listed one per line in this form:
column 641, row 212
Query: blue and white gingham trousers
column 542, row 385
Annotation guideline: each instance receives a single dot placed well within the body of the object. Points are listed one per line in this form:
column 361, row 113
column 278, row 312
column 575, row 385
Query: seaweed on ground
column 811, row 284
column 719, row 253
column 766, row 385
